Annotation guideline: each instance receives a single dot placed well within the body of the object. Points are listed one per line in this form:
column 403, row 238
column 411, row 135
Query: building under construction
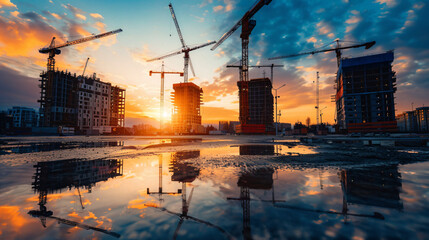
column 256, row 106
column 365, row 94
column 187, row 99
column 84, row 103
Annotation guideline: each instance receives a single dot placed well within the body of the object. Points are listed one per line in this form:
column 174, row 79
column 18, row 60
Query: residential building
column 85, row 103
column 23, row 117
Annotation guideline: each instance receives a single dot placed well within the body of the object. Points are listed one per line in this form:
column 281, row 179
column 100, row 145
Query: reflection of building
column 85, row 103
column 54, row 176
column 373, row 186
column 187, row 99
column 365, row 94
column 23, row 117
column 257, row 149
column 182, row 171
column 64, row 174
column 261, row 178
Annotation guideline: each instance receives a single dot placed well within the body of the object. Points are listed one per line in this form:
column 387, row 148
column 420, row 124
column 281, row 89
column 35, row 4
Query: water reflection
column 378, row 186
column 51, row 146
column 256, row 149
column 261, row 178
column 54, row 176
column 184, row 173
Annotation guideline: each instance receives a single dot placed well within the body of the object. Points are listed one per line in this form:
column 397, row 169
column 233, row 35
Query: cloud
column 18, row 90
column 80, row 16
column 96, row 15
column 78, row 13
column 7, row 4
column 389, row 3
column 22, row 37
column 56, row 16
column 217, row 8
column 292, row 31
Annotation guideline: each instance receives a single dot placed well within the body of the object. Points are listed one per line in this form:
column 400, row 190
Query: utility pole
column 275, row 89
column 317, row 98
column 161, row 103
column 321, row 114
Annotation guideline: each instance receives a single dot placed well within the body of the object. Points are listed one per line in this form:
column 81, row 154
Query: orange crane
column 247, row 24
column 185, row 49
column 161, row 107
column 53, row 49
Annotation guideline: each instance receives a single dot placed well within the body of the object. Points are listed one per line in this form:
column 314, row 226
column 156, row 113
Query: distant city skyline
column 283, row 27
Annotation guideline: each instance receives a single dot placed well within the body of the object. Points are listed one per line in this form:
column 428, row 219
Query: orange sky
column 149, row 32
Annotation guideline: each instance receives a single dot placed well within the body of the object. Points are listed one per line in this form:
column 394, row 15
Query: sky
column 283, row 27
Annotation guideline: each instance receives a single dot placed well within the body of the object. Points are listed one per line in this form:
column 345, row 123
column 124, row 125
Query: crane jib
column 87, row 39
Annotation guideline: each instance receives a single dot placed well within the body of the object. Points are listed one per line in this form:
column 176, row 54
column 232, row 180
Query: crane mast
column 161, row 107
column 185, row 49
column 247, row 25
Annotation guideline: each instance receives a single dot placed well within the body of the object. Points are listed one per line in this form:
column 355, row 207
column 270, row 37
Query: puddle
column 171, row 195
column 52, row 146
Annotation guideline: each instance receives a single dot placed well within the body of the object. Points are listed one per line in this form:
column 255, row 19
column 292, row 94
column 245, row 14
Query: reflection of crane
column 53, row 49
column 184, row 214
column 259, row 179
column 43, row 214
column 183, row 173
column 185, row 49
column 56, row 175
column 337, row 50
column 161, row 107
column 247, row 24
column 259, row 66
column 344, row 210
column 160, row 192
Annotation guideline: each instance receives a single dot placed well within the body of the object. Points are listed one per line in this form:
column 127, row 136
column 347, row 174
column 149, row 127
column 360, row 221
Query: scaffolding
column 187, row 100
column 117, row 108
column 84, row 103
column 58, row 99
column 256, row 106
column 365, row 94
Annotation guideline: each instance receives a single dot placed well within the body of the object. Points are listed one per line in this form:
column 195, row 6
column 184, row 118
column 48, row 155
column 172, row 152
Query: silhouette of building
column 84, row 103
column 414, row 121
column 23, row 117
column 187, row 99
column 365, row 94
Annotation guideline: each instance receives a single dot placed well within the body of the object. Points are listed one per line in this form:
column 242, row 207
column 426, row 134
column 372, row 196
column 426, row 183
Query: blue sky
column 283, row 27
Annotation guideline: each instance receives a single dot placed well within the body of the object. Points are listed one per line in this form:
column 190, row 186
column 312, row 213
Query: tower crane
column 86, row 64
column 161, row 107
column 272, row 66
column 337, row 50
column 247, row 24
column 53, row 49
column 185, row 49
